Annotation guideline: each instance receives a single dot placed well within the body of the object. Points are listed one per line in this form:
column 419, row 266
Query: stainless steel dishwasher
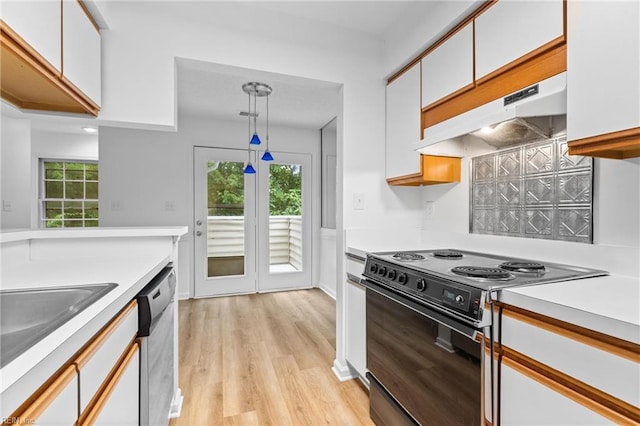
column 155, row 328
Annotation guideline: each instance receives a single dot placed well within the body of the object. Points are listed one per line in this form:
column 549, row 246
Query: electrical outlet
column 358, row 201
column 116, row 205
column 6, row 206
column 170, row 205
column 429, row 209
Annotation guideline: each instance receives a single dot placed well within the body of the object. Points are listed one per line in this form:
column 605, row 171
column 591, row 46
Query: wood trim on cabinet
column 484, row 6
column 96, row 405
column 29, row 81
column 601, row 341
column 433, row 170
column 89, row 15
column 594, row 399
column 89, row 350
column 539, row 65
column 45, row 398
column 450, row 96
column 555, row 43
column 617, row 145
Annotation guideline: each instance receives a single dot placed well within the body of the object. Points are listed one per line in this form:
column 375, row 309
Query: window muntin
column 68, row 194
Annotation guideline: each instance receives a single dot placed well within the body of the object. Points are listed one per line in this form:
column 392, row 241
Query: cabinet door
column 39, row 24
column 403, row 124
column 449, row 67
column 356, row 348
column 81, row 48
column 509, row 30
column 119, row 403
column 603, row 63
column 97, row 361
column 526, row 401
column 58, row 404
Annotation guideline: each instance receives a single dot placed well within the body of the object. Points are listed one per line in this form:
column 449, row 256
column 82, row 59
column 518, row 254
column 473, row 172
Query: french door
column 252, row 231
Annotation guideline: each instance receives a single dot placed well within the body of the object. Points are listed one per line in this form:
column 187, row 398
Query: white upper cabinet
column 39, row 24
column 81, row 48
column 509, row 30
column 403, row 123
column 449, row 67
column 603, row 67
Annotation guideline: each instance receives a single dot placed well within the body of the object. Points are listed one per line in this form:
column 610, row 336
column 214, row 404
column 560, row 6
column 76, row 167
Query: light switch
column 358, row 201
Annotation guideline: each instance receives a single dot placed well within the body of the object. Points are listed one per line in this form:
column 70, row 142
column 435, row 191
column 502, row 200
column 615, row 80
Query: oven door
column 425, row 366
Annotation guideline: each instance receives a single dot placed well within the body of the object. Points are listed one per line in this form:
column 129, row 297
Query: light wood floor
column 264, row 359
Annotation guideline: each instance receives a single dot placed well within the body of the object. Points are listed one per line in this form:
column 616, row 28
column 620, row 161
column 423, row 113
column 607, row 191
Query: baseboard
column 330, row 292
column 343, row 372
column 176, row 405
column 183, row 296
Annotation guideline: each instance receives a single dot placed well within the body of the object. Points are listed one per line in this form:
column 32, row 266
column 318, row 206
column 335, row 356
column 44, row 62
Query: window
column 68, row 194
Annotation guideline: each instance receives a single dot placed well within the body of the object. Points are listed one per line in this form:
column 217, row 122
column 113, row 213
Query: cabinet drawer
column 354, row 267
column 116, row 406
column 99, row 358
column 594, row 363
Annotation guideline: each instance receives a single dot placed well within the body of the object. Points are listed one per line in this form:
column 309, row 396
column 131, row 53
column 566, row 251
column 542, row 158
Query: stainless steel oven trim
column 355, row 280
column 445, row 319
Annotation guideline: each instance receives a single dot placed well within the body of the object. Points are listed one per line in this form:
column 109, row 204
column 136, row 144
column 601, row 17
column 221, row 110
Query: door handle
column 198, row 233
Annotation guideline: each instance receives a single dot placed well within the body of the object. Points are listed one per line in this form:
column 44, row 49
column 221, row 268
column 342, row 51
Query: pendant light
column 257, row 90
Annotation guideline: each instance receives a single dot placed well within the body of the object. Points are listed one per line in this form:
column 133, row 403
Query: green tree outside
column 226, row 189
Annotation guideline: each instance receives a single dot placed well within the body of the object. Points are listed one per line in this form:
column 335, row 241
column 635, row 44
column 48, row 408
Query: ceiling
column 208, row 90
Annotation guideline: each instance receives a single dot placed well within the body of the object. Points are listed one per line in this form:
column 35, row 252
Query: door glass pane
column 225, row 219
column 285, row 217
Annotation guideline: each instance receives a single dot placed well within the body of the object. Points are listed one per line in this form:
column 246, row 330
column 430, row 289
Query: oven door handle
column 440, row 318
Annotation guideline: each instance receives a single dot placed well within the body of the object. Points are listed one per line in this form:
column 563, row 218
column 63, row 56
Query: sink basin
column 27, row 316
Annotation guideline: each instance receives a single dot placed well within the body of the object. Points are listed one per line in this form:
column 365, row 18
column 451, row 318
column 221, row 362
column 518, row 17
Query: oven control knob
column 422, row 284
column 374, row 268
column 402, row 278
column 459, row 299
column 382, row 271
column 393, row 274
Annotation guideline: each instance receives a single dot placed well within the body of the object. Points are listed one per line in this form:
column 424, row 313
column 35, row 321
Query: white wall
column 142, row 170
column 15, row 174
column 616, row 209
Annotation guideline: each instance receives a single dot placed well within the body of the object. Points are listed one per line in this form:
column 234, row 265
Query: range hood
column 532, row 113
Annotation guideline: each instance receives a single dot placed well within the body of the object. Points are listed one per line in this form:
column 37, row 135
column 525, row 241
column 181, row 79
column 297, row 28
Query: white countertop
column 99, row 232
column 27, row 372
column 609, row 304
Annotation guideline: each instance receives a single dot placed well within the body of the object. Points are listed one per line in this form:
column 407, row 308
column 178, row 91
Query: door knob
column 198, row 233
column 198, row 222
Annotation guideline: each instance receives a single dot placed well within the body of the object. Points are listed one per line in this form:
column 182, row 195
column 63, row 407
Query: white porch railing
column 225, row 238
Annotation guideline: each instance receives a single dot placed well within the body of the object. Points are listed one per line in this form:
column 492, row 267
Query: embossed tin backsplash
column 536, row 190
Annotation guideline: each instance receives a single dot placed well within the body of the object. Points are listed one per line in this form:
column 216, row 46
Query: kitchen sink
column 27, row 316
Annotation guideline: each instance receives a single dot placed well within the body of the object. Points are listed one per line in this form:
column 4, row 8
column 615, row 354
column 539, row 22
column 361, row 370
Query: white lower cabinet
column 100, row 385
column 356, row 317
column 526, row 401
column 356, row 350
column 557, row 373
column 118, row 404
column 57, row 405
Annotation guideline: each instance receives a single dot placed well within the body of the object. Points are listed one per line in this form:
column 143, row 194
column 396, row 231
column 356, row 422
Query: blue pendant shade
column 267, row 156
column 255, row 140
column 249, row 170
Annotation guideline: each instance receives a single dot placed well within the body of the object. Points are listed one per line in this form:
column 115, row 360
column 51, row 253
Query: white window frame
column 41, row 179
